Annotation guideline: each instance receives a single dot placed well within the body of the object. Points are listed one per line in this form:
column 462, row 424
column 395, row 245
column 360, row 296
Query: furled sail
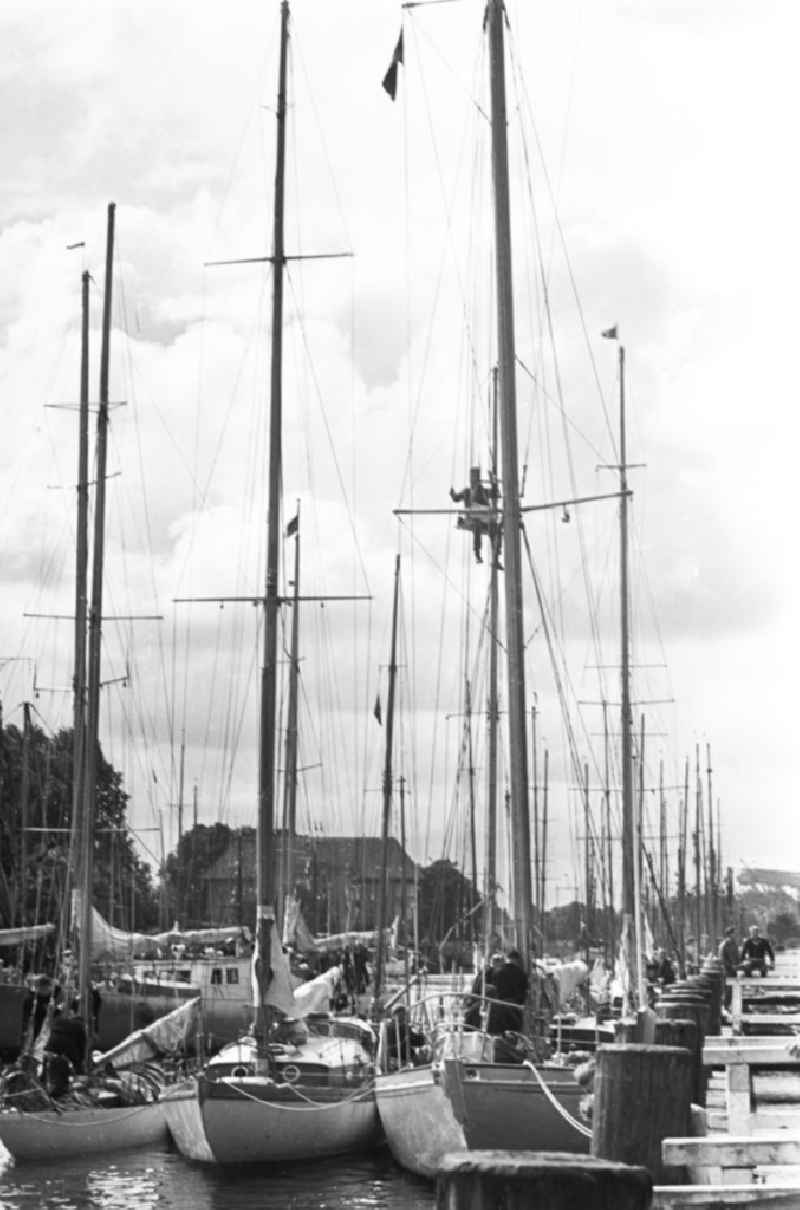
column 109, row 943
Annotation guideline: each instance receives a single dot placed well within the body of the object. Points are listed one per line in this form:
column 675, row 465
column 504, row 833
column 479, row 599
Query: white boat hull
column 253, row 1120
column 458, row 1105
column 42, row 1135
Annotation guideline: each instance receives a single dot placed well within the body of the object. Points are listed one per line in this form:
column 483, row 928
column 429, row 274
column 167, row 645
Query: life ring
column 290, row 1073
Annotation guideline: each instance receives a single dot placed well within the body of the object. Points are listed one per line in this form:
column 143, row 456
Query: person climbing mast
column 479, row 513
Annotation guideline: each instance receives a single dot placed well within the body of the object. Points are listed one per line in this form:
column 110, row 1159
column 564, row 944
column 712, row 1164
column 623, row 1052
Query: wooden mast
column 511, row 506
column 473, row 840
column 698, row 856
column 490, row 926
column 629, row 857
column 265, row 873
column 711, row 884
column 609, row 839
column 290, row 762
column 380, row 915
column 95, row 626
column 81, row 562
column 683, row 833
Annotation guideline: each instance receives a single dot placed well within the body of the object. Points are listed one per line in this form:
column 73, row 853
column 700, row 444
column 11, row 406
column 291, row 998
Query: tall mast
column 683, row 832
column 712, row 861
column 491, row 813
column 473, row 840
column 537, row 898
column 95, row 625
column 543, row 858
column 24, row 796
column 265, row 873
column 626, row 716
column 520, row 821
column 387, row 792
column 663, row 869
column 290, row 763
column 81, row 563
column 609, row 838
column 698, row 855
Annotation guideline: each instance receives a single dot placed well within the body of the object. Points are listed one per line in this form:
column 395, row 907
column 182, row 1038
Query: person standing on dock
column 729, row 956
column 755, row 952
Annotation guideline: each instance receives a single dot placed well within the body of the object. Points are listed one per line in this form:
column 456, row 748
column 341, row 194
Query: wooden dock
column 750, row 1151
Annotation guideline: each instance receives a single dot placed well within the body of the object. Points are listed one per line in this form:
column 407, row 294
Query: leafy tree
column 446, row 899
column 183, row 877
column 37, row 892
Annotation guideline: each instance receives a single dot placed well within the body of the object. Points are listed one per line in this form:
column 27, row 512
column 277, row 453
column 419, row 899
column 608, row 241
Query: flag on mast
column 377, row 708
column 390, row 79
column 611, row 333
column 291, row 528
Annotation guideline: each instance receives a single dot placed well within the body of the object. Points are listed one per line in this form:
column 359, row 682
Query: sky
column 654, row 185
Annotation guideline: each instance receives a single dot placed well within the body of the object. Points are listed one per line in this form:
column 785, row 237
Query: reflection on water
column 161, row 1178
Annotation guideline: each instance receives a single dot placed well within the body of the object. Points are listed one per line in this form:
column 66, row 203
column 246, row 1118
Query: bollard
column 548, row 1180
column 708, row 986
column 689, row 1006
column 683, row 1032
column 642, row 1095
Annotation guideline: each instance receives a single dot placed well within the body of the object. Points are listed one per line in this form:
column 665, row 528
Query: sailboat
column 93, row 1114
column 290, row 1090
column 465, row 1093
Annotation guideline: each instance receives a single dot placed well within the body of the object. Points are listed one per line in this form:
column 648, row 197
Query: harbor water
column 160, row 1178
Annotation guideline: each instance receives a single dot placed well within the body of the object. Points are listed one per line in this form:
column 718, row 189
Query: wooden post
column 548, row 1180
column 642, row 1094
column 684, row 1032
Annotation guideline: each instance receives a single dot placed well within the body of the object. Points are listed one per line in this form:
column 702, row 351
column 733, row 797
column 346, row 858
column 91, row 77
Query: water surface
column 159, row 1177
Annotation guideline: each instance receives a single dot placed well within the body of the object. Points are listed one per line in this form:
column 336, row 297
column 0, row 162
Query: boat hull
column 251, row 1120
column 36, row 1137
column 455, row 1105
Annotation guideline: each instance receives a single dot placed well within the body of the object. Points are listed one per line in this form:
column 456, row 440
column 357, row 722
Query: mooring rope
column 357, row 1095
column 566, row 1115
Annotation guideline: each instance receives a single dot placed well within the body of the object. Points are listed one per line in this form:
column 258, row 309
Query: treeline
column 36, row 772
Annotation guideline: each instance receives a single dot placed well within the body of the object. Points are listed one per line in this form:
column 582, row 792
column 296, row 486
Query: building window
column 231, row 974
column 216, row 974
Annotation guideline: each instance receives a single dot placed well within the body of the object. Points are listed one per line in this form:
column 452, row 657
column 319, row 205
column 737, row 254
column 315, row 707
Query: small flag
column 291, row 528
column 377, row 708
column 390, row 79
column 155, row 778
column 610, row 333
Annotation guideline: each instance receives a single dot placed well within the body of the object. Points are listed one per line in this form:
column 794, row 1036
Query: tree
column 37, row 893
column 183, row 876
column 446, row 900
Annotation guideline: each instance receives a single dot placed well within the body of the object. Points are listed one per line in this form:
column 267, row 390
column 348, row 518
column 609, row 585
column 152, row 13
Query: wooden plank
column 738, row 1097
column 771, row 1052
column 729, row 1041
column 729, row 1150
column 770, row 1019
column 717, row 1197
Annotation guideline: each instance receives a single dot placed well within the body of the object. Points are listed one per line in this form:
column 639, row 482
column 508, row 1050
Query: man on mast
column 480, row 514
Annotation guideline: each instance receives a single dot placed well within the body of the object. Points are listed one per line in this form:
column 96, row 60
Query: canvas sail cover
column 164, row 1036
column 315, row 995
column 338, row 941
column 31, row 932
column 109, row 943
column 295, row 930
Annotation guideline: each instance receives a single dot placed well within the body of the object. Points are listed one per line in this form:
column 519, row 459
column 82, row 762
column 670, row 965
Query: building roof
column 360, row 856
